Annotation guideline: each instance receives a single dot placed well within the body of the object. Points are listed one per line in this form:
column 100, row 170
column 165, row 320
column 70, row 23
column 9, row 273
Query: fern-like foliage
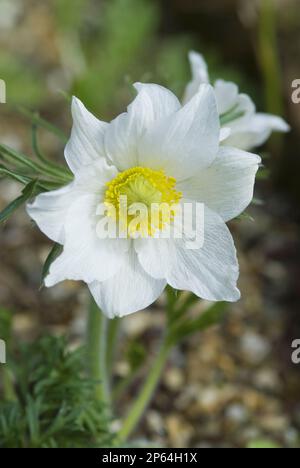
column 53, row 404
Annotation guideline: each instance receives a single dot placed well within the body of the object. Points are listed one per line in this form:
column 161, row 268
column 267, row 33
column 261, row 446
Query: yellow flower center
column 142, row 200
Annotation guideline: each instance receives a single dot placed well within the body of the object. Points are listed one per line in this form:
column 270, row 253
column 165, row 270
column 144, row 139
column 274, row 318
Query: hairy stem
column 139, row 406
column 112, row 341
column 97, row 342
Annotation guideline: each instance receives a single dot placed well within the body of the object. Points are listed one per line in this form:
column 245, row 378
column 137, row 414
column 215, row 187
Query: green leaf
column 54, row 404
column 172, row 296
column 263, row 174
column 186, row 327
column 244, row 217
column 50, row 164
column 184, row 305
column 5, row 324
column 29, row 191
column 65, row 95
column 32, row 413
column 61, row 175
column 18, row 157
column 23, row 179
column 35, row 145
column 36, row 119
column 54, row 253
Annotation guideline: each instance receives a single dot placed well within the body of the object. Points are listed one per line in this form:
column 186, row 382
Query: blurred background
column 235, row 385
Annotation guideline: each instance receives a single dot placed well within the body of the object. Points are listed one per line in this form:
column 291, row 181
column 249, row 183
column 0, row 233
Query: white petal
column 224, row 133
column 130, row 290
column 227, row 185
column 241, row 117
column 152, row 104
column 94, row 177
column 244, row 106
column 186, row 140
column 226, row 94
column 275, row 123
column 255, row 131
column 210, row 272
column 85, row 256
column 198, row 66
column 49, row 211
column 244, row 139
column 87, row 137
column 199, row 75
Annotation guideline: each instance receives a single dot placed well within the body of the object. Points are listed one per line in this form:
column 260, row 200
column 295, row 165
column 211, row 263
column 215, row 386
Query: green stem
column 271, row 70
column 8, row 386
column 112, row 337
column 269, row 57
column 143, row 399
column 123, row 385
column 97, row 339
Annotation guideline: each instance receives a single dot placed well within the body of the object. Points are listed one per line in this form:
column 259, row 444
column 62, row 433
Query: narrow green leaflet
column 50, row 164
column 211, row 316
column 38, row 167
column 263, row 173
column 44, row 185
column 29, row 191
column 36, row 119
column 54, row 253
column 23, row 179
column 244, row 217
column 16, row 156
column 184, row 305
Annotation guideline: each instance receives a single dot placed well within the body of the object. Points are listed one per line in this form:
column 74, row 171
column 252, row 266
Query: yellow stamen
column 150, row 193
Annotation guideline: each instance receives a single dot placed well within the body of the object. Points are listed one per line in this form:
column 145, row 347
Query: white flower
column 158, row 149
column 248, row 128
